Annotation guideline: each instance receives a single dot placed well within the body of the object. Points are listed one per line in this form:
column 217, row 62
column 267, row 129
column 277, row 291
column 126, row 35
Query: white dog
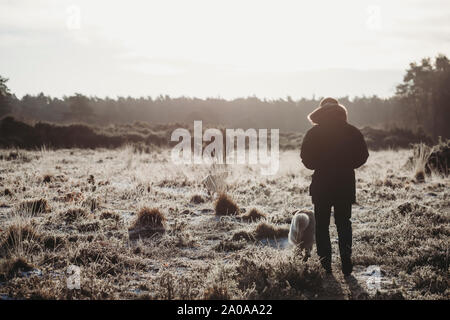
column 302, row 230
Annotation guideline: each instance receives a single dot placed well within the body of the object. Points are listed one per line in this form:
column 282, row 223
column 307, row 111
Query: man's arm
column 307, row 152
column 361, row 151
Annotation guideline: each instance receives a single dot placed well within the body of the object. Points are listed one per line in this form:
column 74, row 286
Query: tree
column 425, row 92
column 5, row 97
column 80, row 108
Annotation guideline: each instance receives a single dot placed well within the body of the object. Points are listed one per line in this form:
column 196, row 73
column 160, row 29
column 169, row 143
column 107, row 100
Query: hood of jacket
column 329, row 113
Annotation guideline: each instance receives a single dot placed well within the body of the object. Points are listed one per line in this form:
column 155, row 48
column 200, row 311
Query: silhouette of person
column 333, row 149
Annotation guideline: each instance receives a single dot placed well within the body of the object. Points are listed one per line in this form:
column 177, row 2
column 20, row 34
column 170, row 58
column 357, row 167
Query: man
column 333, row 149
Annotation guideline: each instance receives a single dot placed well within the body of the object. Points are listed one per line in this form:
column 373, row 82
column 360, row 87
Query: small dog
column 301, row 233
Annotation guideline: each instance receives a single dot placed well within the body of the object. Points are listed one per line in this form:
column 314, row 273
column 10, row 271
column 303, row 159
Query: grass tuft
column 149, row 221
column 266, row 230
column 35, row 206
column 216, row 292
column 47, row 178
column 253, row 215
column 74, row 214
column 16, row 234
column 109, row 215
column 421, row 155
column 197, row 199
column 91, row 203
column 243, row 235
column 225, row 206
column 13, row 266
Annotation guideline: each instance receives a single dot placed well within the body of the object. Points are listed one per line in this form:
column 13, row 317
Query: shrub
column 15, row 133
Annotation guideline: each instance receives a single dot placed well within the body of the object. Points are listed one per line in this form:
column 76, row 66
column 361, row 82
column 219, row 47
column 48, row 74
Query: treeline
column 285, row 114
column 145, row 137
column 422, row 103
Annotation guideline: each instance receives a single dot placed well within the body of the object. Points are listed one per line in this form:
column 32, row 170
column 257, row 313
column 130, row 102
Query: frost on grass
column 35, row 206
column 193, row 247
column 225, row 206
column 148, row 223
column 253, row 215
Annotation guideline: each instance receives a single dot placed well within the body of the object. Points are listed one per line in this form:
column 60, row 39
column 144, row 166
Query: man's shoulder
column 315, row 128
column 353, row 129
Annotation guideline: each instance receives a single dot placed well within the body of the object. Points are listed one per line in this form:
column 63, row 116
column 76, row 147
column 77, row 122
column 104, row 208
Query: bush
column 18, row 134
column 377, row 139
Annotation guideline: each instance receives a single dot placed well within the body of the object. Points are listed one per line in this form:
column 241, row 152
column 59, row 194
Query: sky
column 217, row 48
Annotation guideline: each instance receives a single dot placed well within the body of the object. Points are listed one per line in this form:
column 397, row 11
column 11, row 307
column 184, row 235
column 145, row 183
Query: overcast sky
column 217, row 48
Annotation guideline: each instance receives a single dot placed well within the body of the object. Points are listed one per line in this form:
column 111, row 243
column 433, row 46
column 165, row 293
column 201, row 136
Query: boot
column 347, row 266
column 326, row 264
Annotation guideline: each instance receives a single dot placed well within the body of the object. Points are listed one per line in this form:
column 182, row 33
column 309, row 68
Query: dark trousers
column 342, row 215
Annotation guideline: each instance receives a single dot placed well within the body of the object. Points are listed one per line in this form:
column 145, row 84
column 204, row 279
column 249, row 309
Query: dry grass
column 110, row 215
column 148, row 222
column 253, row 215
column 225, row 206
column 420, row 160
column 399, row 225
column 12, row 267
column 16, row 235
column 197, row 199
column 266, row 230
column 216, row 293
column 35, row 206
column 47, row 178
column 74, row 214
column 439, row 159
column 149, row 218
